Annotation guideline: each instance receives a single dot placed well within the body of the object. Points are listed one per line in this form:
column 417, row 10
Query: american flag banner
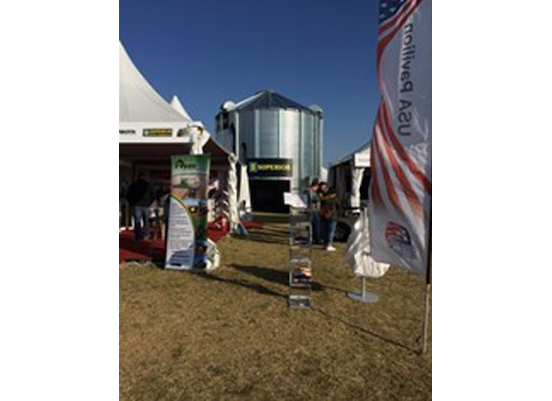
column 400, row 190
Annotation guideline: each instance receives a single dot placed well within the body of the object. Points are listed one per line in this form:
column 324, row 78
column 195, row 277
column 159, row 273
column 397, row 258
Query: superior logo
column 272, row 167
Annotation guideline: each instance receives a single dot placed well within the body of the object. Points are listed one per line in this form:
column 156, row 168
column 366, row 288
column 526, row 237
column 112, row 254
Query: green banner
column 187, row 237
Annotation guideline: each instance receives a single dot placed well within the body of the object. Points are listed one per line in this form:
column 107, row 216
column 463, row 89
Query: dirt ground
column 230, row 334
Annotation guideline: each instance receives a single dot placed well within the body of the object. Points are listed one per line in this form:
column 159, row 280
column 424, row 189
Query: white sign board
column 362, row 160
column 294, row 200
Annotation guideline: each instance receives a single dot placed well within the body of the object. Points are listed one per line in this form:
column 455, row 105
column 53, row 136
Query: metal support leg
column 363, row 296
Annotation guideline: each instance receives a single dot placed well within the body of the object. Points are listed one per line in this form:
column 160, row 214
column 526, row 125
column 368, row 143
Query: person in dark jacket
column 140, row 196
column 328, row 212
column 314, row 207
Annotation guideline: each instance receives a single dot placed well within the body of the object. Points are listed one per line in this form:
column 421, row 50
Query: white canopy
column 356, row 162
column 244, row 194
column 359, row 158
column 358, row 250
column 323, row 174
column 150, row 129
column 196, row 129
column 144, row 116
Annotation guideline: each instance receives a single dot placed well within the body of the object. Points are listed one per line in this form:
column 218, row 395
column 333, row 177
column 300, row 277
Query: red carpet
column 145, row 251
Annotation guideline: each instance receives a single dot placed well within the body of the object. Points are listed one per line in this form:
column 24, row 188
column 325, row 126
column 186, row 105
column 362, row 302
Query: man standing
column 140, row 196
column 314, row 206
column 328, row 212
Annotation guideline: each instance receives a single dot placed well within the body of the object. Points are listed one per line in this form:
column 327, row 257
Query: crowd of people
column 145, row 202
column 323, row 208
column 144, row 207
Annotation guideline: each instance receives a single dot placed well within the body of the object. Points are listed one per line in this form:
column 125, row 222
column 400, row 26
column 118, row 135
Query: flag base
column 367, row 297
column 363, row 295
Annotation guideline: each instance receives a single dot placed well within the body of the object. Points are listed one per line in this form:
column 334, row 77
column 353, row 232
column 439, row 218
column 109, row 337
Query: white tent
column 144, row 116
column 354, row 164
column 175, row 103
column 151, row 131
column 360, row 157
column 196, row 129
column 245, row 194
column 358, row 250
column 233, row 194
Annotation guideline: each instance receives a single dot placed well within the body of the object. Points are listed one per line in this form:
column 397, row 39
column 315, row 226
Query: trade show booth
column 151, row 131
column 350, row 177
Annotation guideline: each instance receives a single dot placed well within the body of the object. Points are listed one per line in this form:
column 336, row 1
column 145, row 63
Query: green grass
column 230, row 334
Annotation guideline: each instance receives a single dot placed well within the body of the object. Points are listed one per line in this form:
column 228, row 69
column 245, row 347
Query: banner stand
column 187, row 241
column 363, row 296
column 428, row 289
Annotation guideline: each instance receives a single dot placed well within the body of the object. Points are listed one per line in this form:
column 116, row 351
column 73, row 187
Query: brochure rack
column 300, row 263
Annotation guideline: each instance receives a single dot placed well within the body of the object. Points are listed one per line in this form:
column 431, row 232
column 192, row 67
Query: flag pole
column 428, row 287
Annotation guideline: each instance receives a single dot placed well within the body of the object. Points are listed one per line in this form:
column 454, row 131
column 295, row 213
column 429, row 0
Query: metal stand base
column 367, row 297
column 299, row 303
column 363, row 296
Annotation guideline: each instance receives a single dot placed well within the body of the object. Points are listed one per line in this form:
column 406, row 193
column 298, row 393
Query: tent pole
column 428, row 288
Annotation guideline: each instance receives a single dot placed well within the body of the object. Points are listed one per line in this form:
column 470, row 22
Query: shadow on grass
column 273, row 275
column 266, row 238
column 251, row 286
column 329, row 287
column 366, row 331
column 266, row 235
column 158, row 263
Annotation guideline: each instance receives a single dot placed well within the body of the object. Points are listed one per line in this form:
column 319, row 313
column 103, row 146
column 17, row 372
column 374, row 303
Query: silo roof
column 270, row 100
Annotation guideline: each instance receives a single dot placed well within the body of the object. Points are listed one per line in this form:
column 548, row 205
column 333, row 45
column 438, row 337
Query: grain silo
column 279, row 139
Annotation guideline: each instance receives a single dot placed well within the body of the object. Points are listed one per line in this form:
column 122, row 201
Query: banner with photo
column 187, row 242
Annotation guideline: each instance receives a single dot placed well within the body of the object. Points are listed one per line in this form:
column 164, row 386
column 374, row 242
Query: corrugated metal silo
column 279, row 139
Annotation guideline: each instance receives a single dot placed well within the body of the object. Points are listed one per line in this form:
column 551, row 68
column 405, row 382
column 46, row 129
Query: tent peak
column 175, row 103
column 138, row 100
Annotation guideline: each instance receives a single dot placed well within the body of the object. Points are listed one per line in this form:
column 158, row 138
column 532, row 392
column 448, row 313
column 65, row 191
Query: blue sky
column 312, row 51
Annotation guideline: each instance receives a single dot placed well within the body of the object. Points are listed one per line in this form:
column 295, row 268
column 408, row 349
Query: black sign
column 269, row 167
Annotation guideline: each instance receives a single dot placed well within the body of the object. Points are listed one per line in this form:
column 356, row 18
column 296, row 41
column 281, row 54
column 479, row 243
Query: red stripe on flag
column 382, row 44
column 374, row 186
column 393, row 197
column 420, row 176
column 409, row 192
column 387, row 25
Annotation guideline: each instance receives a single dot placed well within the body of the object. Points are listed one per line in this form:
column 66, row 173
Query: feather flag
column 400, row 190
